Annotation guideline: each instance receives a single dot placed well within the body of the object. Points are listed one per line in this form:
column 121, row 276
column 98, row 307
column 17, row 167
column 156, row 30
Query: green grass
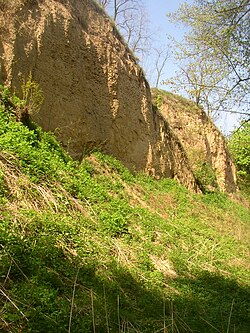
column 159, row 96
column 89, row 247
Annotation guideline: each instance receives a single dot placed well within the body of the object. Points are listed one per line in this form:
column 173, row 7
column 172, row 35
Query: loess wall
column 203, row 142
column 95, row 94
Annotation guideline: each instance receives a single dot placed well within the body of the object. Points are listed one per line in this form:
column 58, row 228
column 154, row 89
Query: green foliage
column 2, row 186
column 5, row 94
column 31, row 95
column 239, row 145
column 205, row 176
column 89, row 246
column 38, row 153
column 214, row 54
column 159, row 100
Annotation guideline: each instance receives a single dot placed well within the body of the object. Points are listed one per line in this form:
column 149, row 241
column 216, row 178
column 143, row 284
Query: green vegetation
column 205, row 176
column 89, row 247
column 213, row 56
column 239, row 145
column 159, row 95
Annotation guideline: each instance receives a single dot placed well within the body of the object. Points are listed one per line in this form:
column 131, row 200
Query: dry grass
column 125, row 254
column 164, row 266
column 24, row 194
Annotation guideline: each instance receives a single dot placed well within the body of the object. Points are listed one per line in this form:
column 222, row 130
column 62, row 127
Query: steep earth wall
column 205, row 146
column 95, row 94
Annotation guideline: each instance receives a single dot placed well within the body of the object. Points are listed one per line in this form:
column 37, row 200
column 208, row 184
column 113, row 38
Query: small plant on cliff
column 32, row 95
column 28, row 105
column 205, row 176
column 202, row 169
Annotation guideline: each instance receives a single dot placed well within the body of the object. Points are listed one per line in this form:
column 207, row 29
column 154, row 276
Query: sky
column 157, row 12
column 161, row 27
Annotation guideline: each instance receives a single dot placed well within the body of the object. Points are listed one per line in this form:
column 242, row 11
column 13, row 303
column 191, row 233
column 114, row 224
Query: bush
column 205, row 176
column 240, row 149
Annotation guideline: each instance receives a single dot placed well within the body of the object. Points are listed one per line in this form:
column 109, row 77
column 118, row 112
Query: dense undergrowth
column 89, row 247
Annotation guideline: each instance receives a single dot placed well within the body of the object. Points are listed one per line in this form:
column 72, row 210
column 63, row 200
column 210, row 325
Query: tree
column 132, row 21
column 162, row 55
column 214, row 56
column 239, row 145
column 200, row 80
column 117, row 8
column 103, row 3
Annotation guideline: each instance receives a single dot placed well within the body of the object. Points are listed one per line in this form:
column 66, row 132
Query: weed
column 31, row 95
column 205, row 176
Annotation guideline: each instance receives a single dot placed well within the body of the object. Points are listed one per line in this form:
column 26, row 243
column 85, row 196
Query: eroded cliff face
column 95, row 94
column 204, row 145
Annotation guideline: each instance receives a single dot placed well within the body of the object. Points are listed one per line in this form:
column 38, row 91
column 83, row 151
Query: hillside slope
column 89, row 247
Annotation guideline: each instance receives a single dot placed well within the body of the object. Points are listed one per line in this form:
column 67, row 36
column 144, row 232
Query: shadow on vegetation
column 40, row 279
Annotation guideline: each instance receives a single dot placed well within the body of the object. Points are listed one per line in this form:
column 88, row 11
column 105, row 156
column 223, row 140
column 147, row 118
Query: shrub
column 205, row 176
column 239, row 145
